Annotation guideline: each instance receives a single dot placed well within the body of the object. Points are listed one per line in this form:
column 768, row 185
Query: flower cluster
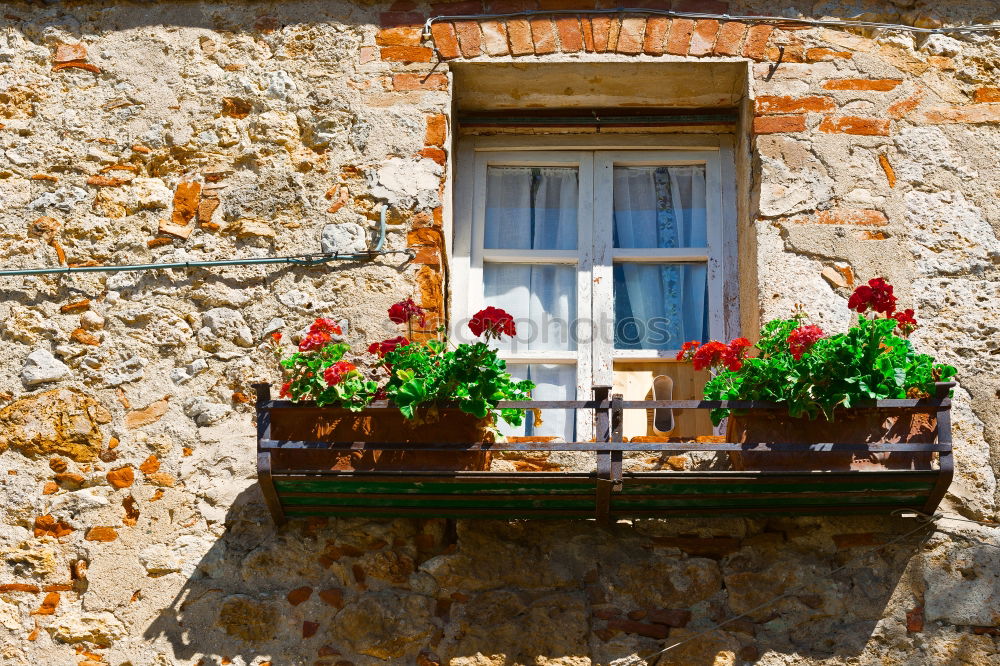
column 320, row 334
column 419, row 374
column 714, row 354
column 382, row 348
column 905, row 321
column 877, row 296
column 492, row 322
column 337, row 372
column 404, row 311
column 813, row 372
column 802, row 339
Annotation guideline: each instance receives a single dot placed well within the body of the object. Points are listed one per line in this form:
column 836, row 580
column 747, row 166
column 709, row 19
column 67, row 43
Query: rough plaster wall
column 133, row 531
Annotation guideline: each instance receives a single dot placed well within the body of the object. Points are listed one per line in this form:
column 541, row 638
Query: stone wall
column 132, row 528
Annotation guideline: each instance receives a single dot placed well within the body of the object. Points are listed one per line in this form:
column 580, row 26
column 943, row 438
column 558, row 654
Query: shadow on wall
column 489, row 592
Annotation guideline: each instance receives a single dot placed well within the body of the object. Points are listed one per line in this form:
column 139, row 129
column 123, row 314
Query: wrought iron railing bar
column 762, row 447
column 928, row 404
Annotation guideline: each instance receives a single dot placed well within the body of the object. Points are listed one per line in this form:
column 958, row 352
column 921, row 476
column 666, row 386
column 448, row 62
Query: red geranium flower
column 276, row 336
column 709, row 354
column 320, row 334
column 735, row 353
column 905, row 321
column 802, row 339
column 492, row 321
column 687, row 350
column 876, row 295
column 386, row 346
column 336, row 372
column 286, row 390
column 402, row 312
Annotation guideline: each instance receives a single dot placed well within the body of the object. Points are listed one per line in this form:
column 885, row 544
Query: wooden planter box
column 329, row 462
column 316, row 425
column 864, row 425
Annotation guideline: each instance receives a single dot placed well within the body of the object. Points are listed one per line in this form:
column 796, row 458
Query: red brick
column 851, row 218
column 19, row 587
column 408, row 81
column 470, row 39
column 424, row 236
column 915, row 620
column 601, row 26
column 822, row 55
column 49, row 526
column 519, row 33
column 703, row 6
column 890, row 173
column 902, row 108
column 755, row 46
column 607, row 613
column 309, row 629
column 299, row 595
column 428, row 256
column 703, row 37
column 570, row 34
column 407, row 53
column 630, row 35
column 400, row 36
column 701, row 546
column 75, row 306
column 101, row 534
column 776, row 124
column 876, row 85
column 670, row 617
column 396, row 19
column 445, row 40
column 854, row 125
column 333, row 597
column 613, row 33
column 437, row 130
column 769, row 105
column 656, row 33
column 985, row 631
column 458, row 7
column 986, row 95
column 787, row 53
column 543, row 34
column 121, row 477
column 494, row 38
column 982, row 113
column 641, row 628
column 587, row 28
column 436, row 154
column 49, row 604
column 679, row 36
column 730, row 38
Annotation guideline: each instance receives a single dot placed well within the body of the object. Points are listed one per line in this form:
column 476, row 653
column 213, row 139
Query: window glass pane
column 659, row 207
column 660, row 306
column 542, row 300
column 531, row 208
column 552, row 382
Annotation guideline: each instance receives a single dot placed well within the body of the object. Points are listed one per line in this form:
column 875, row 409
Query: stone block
column 346, row 238
column 962, row 585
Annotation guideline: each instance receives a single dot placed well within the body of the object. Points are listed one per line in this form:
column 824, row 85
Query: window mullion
column 602, row 312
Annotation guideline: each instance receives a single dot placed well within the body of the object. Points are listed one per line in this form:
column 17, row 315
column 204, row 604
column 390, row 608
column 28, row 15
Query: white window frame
column 596, row 157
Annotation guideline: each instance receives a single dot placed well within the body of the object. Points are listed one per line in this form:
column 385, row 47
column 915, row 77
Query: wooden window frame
column 596, row 157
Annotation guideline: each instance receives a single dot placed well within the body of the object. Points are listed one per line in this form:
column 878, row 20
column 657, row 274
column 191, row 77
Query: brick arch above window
column 626, row 35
